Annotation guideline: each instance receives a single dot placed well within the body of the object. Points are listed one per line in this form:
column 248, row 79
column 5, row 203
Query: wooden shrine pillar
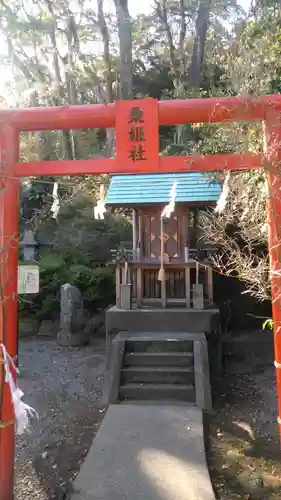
column 135, row 231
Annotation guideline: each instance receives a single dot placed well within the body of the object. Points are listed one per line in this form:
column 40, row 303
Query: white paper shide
column 23, row 412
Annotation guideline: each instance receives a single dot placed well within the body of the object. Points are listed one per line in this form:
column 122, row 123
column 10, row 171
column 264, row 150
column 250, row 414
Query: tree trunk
column 125, row 41
column 73, row 48
column 66, row 135
column 106, row 51
column 110, row 133
column 195, row 70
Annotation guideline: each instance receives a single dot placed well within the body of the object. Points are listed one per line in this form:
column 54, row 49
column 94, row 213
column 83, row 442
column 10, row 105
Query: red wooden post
column 273, row 126
column 9, row 206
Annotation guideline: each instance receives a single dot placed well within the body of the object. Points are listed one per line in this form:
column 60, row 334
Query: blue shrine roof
column 135, row 189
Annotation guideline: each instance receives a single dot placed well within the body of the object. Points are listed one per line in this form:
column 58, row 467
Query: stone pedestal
column 126, row 296
column 198, row 296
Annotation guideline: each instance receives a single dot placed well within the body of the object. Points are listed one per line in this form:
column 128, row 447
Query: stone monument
column 72, row 320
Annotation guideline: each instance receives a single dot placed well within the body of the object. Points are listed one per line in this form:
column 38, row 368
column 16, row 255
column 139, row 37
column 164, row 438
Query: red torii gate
column 137, row 134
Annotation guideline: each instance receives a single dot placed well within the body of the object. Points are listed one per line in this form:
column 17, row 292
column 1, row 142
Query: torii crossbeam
column 137, row 138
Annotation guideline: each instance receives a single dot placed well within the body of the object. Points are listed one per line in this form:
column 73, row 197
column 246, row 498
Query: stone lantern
column 29, row 246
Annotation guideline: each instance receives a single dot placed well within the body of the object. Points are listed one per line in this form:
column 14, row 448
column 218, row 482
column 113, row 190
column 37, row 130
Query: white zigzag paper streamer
column 22, row 411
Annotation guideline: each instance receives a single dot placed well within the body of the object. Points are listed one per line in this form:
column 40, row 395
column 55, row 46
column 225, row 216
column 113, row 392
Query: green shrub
column 97, row 285
column 80, row 250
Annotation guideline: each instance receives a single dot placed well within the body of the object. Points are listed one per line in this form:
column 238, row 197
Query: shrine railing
column 177, row 287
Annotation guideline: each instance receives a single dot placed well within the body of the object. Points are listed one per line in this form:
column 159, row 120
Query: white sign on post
column 28, row 279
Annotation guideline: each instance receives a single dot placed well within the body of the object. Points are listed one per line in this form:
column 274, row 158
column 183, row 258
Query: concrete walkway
column 146, row 452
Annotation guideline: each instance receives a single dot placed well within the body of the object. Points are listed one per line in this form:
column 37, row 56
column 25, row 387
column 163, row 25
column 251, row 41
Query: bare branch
column 161, row 9
column 239, row 231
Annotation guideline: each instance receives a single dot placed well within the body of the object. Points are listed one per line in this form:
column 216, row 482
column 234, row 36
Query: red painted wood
column 171, row 112
column 274, row 222
column 137, row 134
column 66, row 167
column 9, row 199
column 215, row 110
column 167, row 164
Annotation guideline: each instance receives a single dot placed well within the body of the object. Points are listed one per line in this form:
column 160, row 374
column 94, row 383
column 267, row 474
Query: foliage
column 240, row 228
column 95, row 283
column 64, row 53
column 239, row 231
column 80, row 250
column 78, row 233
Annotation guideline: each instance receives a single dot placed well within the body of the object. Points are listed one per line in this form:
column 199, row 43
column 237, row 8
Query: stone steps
column 158, row 359
column 156, row 370
column 160, row 346
column 157, row 375
column 150, row 392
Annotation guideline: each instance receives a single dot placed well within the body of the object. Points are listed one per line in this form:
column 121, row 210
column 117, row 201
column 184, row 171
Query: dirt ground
column 242, row 440
column 65, row 387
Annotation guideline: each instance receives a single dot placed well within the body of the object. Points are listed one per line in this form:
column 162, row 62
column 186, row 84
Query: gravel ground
column 243, row 448
column 65, row 386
